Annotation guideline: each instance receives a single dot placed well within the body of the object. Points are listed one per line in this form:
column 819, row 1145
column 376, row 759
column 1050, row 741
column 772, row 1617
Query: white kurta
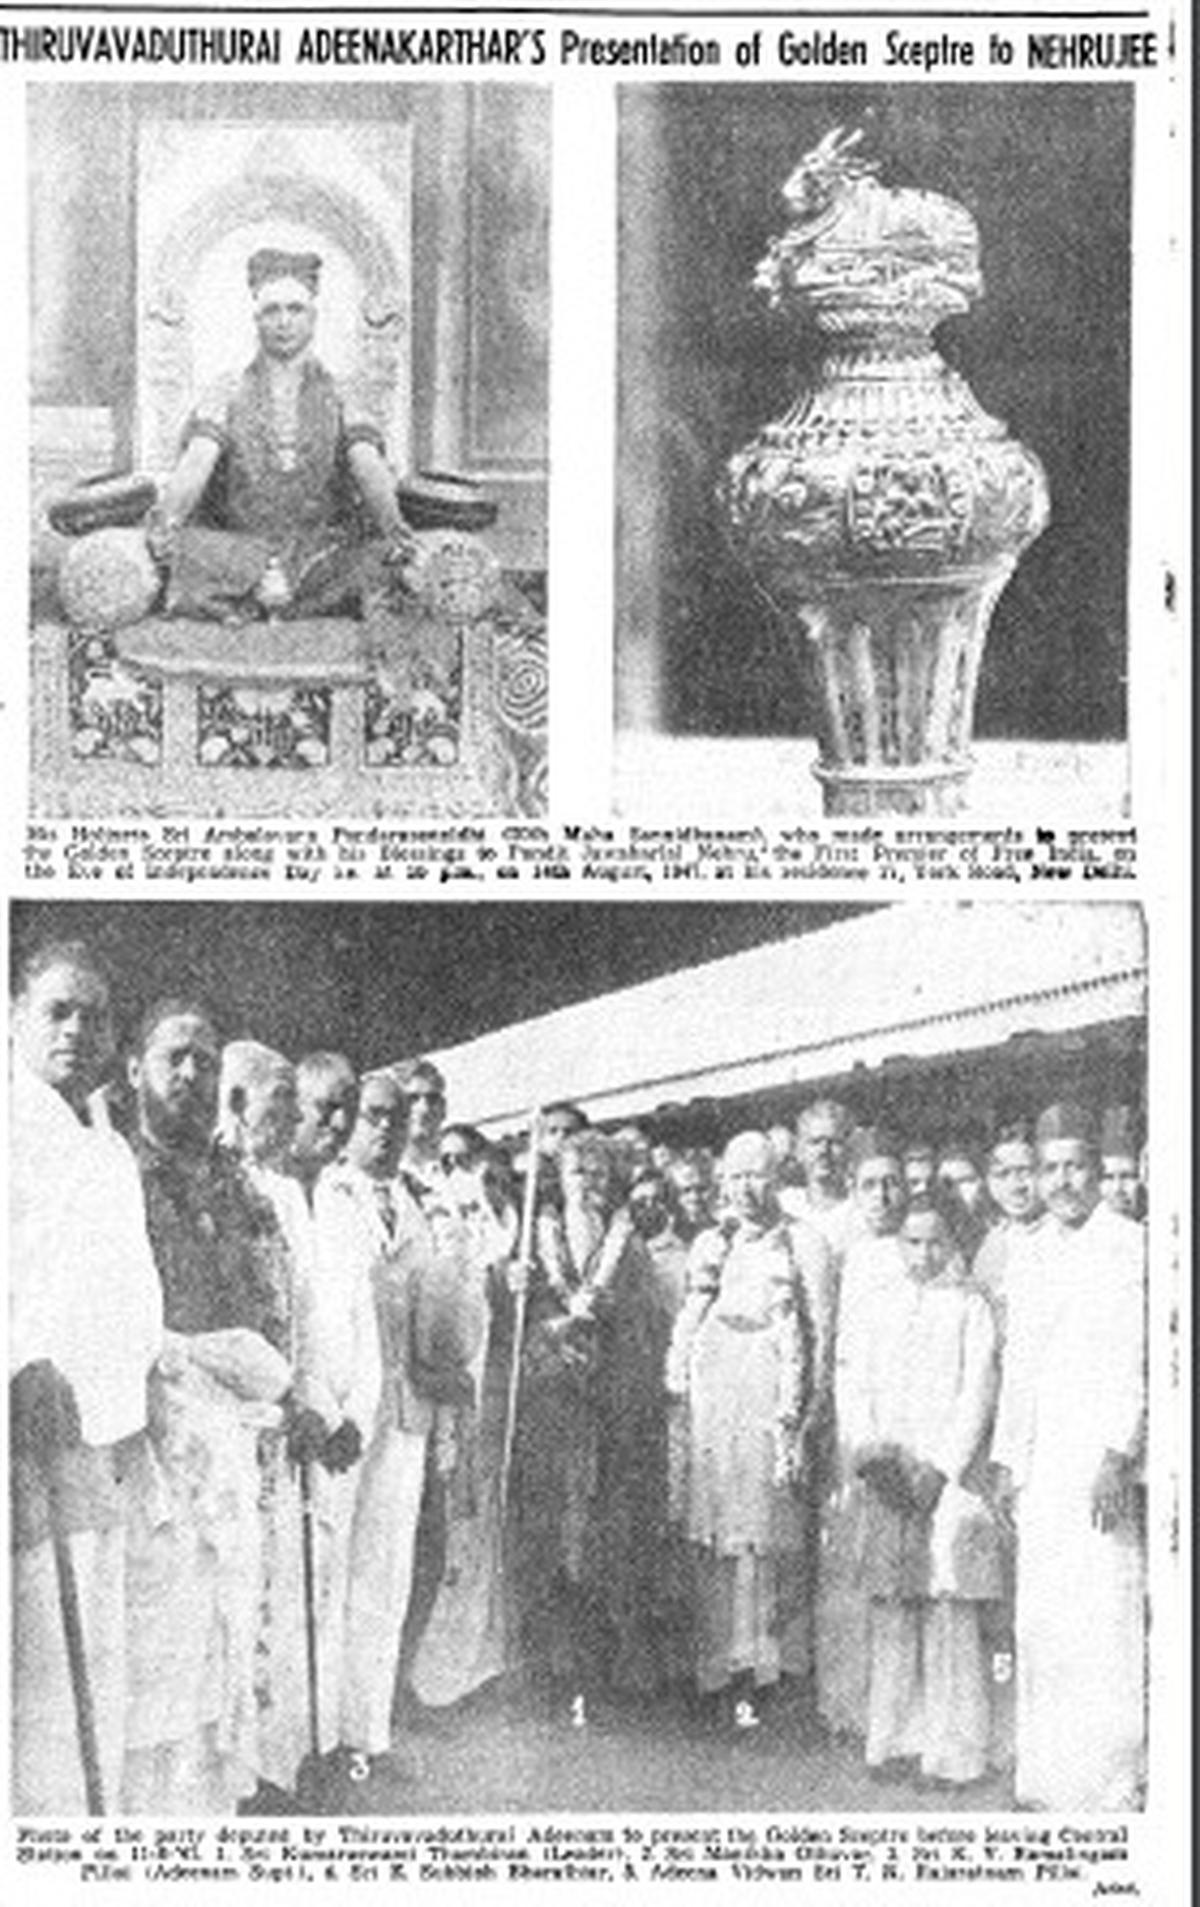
column 463, row 1644
column 919, row 1374
column 337, row 1373
column 1074, row 1387
column 1002, row 1258
column 841, row 1620
column 918, row 1369
column 356, row 1256
column 84, row 1293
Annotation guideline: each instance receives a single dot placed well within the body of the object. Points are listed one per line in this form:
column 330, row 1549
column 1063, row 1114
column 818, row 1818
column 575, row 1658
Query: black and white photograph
column 579, row 1357
column 874, row 450
column 289, row 448
column 599, row 1227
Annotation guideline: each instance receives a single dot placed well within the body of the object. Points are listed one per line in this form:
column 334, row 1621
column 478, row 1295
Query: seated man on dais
column 282, row 502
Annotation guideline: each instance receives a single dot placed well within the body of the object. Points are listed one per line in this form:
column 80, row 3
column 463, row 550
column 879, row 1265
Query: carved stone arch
column 353, row 216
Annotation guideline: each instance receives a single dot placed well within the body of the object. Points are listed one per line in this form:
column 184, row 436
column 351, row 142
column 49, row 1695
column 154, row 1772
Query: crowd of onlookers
column 327, row 1407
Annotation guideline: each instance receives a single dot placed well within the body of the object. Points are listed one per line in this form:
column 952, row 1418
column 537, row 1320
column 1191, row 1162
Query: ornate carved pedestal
column 441, row 712
column 884, row 512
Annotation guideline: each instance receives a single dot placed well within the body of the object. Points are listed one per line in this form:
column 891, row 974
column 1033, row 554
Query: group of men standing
column 798, row 1428
column 969, row 1486
column 177, row 1361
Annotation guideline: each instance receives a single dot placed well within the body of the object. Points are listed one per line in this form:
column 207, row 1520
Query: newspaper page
column 593, row 1299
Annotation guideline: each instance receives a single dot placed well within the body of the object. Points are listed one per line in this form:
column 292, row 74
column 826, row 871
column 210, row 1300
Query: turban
column 1066, row 1121
column 267, row 266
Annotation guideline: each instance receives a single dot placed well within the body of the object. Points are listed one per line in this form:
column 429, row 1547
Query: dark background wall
column 387, row 981
column 383, row 981
column 1046, row 173
column 962, row 1097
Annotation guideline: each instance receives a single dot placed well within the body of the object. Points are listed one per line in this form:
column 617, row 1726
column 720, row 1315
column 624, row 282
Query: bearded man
column 195, row 1549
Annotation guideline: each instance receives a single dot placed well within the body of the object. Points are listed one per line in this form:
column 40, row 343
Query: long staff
column 310, row 1607
column 72, row 1625
column 524, row 1260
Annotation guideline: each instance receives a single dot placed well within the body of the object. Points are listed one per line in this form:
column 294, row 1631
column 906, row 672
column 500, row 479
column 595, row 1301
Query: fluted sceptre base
column 894, row 666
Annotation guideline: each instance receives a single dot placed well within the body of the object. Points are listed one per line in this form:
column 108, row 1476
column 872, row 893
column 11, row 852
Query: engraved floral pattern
column 115, row 713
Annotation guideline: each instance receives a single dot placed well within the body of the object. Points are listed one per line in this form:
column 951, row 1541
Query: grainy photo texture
column 874, row 434
column 289, row 449
column 533, row 1359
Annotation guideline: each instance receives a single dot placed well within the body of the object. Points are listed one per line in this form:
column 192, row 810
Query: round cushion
column 453, row 575
column 440, row 500
column 102, row 503
column 106, row 580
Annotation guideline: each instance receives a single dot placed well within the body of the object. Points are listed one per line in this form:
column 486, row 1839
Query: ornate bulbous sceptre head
column 883, row 511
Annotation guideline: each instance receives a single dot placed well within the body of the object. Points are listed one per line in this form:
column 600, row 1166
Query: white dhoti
column 47, row 1770
column 740, row 1354
column 929, row 1690
column 1074, row 1396
column 842, row 1616
column 1081, row 1632
column 382, row 1543
column 285, row 1728
column 463, row 1646
column 195, row 1587
column 737, row 1619
column 83, row 1295
column 374, row 1250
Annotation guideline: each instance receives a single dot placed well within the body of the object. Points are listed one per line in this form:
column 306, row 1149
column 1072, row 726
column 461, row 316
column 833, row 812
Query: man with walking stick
column 85, row 1327
column 374, row 1242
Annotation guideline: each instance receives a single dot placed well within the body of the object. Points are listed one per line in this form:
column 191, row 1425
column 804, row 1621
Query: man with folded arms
column 916, row 1396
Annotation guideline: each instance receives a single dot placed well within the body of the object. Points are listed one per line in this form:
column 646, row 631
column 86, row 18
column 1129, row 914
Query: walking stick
column 525, row 1255
column 72, row 1624
column 309, row 1777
